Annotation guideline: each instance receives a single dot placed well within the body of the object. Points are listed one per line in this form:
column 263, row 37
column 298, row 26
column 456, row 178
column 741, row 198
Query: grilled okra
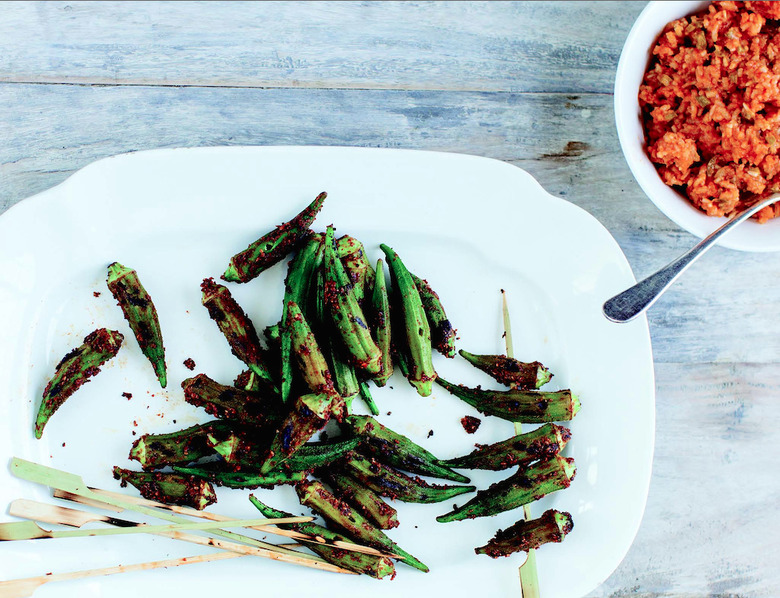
column 154, row 451
column 442, row 332
column 417, row 332
column 524, row 535
column 272, row 247
column 346, row 313
column 236, row 326
column 517, row 405
column 380, row 323
column 523, row 487
column 399, row 451
column 141, row 315
column 75, row 369
column 365, row 500
column 509, row 371
column 228, row 402
column 542, row 443
column 367, row 564
column 317, row 497
column 242, row 479
column 170, row 488
column 311, row 361
column 356, row 264
column 386, row 481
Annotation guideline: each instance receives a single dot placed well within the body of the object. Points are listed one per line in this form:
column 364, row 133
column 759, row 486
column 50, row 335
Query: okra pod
column 367, row 564
column 248, row 380
column 380, row 323
column 520, row 450
column 169, row 488
column 442, row 332
column 347, row 314
column 399, row 451
column 509, row 371
column 236, row 326
column 317, row 497
column 523, row 487
column 154, row 451
column 345, row 377
column 243, row 479
column 524, row 535
column 229, row 402
column 417, row 332
column 141, row 315
column 365, row 500
column 272, row 247
column 516, row 405
column 308, row 415
column 356, row 264
column 311, row 361
column 386, row 481
column 365, row 394
column 75, row 369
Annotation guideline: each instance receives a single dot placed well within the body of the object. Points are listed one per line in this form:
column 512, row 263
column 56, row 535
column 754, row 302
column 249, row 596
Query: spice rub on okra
column 710, row 102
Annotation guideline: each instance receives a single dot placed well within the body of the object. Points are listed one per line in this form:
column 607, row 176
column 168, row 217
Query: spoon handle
column 633, row 301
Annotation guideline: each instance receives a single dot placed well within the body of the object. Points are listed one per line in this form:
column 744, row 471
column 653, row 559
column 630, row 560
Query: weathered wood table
column 529, row 83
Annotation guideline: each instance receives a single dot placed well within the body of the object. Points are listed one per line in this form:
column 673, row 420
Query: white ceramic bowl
column 749, row 236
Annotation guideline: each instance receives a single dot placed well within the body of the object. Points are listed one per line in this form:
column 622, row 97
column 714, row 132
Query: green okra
column 365, row 394
column 308, row 415
column 367, row 564
column 260, row 409
column 169, row 488
column 362, row 498
column 517, row 405
column 317, row 497
column 442, row 333
column 272, row 247
column 417, row 332
column 520, row 450
column 380, row 323
column 399, row 451
column 237, row 328
column 509, row 371
column 345, row 377
column 154, row 451
column 243, row 479
column 552, row 526
column 356, row 264
column 141, row 315
column 386, row 481
column 525, row 486
column 346, row 313
column 74, row 370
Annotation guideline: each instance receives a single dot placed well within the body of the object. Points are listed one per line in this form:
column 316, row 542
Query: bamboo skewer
column 22, row 588
column 529, row 578
column 216, row 517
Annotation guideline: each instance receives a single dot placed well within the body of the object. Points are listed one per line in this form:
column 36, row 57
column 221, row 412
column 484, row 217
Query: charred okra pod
column 141, row 315
column 347, row 314
column 517, row 490
column 336, row 511
column 380, row 323
column 169, row 488
column 367, row 564
column 542, row 443
column 154, row 451
column 365, row 394
column 417, row 332
column 520, row 406
column 399, row 451
column 242, row 479
column 365, row 500
column 309, row 415
column 310, row 359
column 356, row 264
column 236, row 326
column 229, row 402
column 386, row 481
column 75, row 369
column 524, row 535
column 442, row 332
column 272, row 247
column 509, row 371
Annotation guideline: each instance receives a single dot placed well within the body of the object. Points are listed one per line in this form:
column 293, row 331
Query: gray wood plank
column 495, row 46
column 710, row 527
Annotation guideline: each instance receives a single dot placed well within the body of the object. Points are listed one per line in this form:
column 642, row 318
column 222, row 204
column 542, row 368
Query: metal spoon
column 633, row 301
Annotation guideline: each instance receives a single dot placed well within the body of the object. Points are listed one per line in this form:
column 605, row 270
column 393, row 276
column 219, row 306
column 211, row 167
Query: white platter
column 471, row 226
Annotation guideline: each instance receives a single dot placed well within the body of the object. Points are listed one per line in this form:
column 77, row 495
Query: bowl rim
column 749, row 236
